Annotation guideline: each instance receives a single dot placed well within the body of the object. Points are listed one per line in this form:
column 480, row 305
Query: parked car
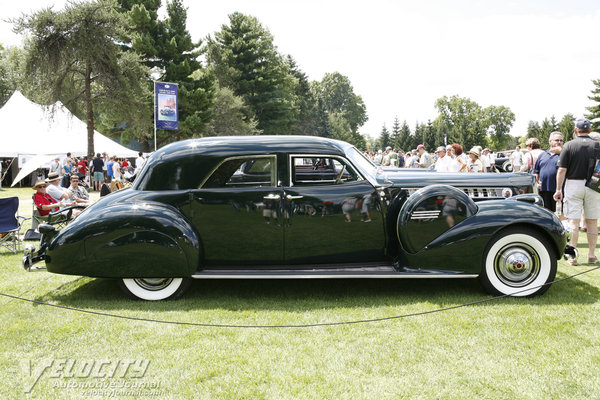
column 305, row 207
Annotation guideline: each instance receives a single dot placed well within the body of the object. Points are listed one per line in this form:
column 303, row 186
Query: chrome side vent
column 488, row 193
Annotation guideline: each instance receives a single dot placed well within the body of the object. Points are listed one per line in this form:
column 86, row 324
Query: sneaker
column 572, row 261
column 592, row 260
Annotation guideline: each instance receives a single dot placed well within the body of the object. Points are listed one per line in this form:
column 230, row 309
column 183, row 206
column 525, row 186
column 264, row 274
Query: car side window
column 321, row 170
column 243, row 172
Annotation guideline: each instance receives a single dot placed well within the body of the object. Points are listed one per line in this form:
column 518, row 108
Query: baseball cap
column 420, row 147
column 583, row 123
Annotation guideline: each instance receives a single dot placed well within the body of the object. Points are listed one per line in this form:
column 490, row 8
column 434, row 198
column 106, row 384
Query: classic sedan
column 304, row 207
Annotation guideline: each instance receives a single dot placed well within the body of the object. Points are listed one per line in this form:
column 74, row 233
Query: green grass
column 542, row 348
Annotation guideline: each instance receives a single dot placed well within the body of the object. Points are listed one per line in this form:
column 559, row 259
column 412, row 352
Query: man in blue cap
column 573, row 170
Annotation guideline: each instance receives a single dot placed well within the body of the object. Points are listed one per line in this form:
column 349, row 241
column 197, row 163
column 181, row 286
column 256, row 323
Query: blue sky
column 536, row 57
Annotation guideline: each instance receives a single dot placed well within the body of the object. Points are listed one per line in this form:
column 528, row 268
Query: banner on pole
column 165, row 112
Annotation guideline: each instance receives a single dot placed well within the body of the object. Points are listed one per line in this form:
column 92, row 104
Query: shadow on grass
column 309, row 295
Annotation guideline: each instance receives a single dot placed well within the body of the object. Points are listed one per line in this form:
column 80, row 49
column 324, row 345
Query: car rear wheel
column 518, row 262
column 155, row 288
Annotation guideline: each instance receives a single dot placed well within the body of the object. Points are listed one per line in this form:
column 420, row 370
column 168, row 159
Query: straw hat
column 38, row 183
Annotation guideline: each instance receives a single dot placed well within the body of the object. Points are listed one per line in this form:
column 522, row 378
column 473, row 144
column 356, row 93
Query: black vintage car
column 305, row 207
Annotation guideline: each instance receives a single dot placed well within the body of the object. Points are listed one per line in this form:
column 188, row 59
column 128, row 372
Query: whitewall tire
column 518, row 262
column 153, row 289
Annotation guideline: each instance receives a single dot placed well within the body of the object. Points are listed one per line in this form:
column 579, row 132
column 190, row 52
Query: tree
column 533, row 129
column 7, row 85
column 499, row 120
column 594, row 109
column 462, row 119
column 244, row 58
column 230, row 116
column 305, row 101
column 567, row 126
column 167, row 48
column 338, row 97
column 548, row 126
column 465, row 122
column 396, row 130
column 404, row 141
column 74, row 55
column 384, row 138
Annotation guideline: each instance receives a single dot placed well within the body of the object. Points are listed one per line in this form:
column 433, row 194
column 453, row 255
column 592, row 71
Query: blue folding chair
column 10, row 224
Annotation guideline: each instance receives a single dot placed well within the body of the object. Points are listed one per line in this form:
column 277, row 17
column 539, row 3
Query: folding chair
column 10, row 224
column 59, row 217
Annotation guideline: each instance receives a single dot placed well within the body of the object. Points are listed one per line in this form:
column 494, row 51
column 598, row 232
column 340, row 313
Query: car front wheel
column 155, row 288
column 518, row 262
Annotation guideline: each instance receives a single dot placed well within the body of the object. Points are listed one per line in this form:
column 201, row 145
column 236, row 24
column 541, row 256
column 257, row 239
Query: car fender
column 146, row 239
column 430, row 212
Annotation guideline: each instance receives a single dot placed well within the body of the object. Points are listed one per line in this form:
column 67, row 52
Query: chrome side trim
column 491, row 193
column 328, row 276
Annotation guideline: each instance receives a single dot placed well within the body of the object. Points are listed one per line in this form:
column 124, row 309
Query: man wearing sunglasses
column 545, row 170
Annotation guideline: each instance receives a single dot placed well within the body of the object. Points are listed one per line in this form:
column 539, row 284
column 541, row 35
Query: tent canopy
column 31, row 128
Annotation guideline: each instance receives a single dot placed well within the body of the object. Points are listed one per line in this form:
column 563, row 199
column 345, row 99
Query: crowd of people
column 451, row 158
column 561, row 172
column 70, row 180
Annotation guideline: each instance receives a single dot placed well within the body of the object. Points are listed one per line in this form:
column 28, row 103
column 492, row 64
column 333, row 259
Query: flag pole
column 154, row 110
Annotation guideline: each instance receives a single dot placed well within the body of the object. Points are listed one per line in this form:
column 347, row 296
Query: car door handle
column 290, row 197
column 271, row 196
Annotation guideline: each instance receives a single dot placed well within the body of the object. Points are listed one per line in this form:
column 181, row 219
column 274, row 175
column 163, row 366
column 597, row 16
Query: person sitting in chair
column 43, row 201
column 78, row 194
column 54, row 189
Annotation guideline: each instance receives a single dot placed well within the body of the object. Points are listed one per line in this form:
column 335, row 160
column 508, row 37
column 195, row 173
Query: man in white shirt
column 139, row 162
column 492, row 157
column 54, row 189
column 516, row 159
column 485, row 159
column 443, row 162
column 55, row 166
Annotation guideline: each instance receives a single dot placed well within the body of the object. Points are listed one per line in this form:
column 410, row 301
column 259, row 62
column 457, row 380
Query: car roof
column 240, row 145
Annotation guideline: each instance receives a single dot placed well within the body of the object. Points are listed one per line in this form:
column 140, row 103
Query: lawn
column 545, row 347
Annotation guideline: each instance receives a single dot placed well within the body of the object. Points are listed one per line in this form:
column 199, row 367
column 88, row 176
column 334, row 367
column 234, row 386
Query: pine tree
column 168, row 49
column 405, row 141
column 384, row 138
column 396, row 130
column 594, row 109
column 567, row 126
column 305, row 101
column 244, row 58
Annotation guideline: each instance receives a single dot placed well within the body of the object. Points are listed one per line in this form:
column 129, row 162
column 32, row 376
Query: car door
column 237, row 212
column 332, row 215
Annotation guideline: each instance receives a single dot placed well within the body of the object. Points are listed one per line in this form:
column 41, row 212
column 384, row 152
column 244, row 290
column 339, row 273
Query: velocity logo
column 82, row 373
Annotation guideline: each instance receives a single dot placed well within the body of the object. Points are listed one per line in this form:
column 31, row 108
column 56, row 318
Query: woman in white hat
column 474, row 164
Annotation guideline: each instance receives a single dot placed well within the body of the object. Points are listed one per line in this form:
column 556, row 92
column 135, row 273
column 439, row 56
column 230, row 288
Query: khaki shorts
column 578, row 198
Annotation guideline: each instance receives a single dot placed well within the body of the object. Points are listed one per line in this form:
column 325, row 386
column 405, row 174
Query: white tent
column 29, row 128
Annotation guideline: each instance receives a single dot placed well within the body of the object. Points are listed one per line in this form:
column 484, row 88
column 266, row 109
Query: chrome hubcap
column 517, row 266
column 153, row 283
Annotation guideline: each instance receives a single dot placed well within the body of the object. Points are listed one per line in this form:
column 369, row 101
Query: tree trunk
column 89, row 109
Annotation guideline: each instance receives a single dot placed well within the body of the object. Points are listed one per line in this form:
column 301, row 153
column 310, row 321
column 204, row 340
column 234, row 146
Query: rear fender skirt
column 125, row 241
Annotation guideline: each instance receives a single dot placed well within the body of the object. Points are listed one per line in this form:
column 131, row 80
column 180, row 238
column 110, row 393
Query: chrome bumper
column 570, row 252
column 31, row 257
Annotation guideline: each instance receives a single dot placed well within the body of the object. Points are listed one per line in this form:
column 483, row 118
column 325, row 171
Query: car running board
column 324, row 273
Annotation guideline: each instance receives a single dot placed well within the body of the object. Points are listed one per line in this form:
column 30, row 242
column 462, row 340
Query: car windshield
column 363, row 163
